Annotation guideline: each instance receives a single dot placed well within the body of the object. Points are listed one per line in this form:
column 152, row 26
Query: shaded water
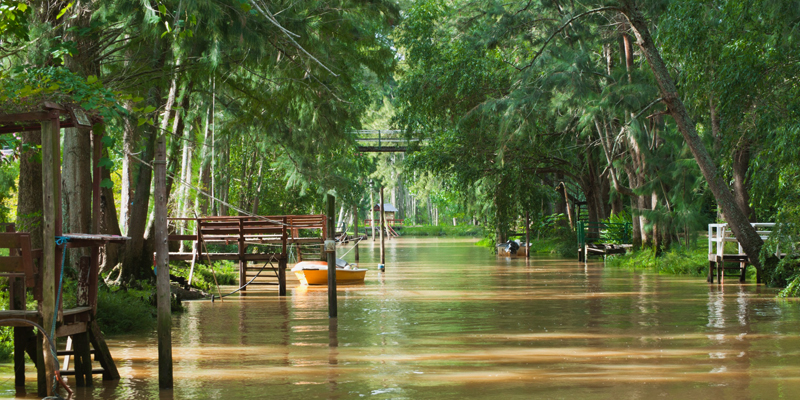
column 448, row 320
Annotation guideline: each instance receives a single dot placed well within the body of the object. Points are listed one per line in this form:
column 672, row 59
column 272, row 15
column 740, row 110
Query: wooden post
column 162, row 266
column 196, row 250
column 382, row 228
column 527, row 235
column 50, row 195
column 283, row 261
column 355, row 229
column 330, row 248
column 372, row 213
column 242, row 262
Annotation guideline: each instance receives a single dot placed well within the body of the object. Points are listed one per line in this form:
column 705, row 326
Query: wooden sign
column 80, row 117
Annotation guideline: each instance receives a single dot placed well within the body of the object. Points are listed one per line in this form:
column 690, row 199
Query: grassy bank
column 678, row 261
column 559, row 242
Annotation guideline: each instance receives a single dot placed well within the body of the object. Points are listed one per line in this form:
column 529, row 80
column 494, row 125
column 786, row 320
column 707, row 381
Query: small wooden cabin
column 388, row 209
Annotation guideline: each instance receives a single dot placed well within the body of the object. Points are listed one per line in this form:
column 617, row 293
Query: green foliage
column 13, row 19
column 792, row 288
column 8, row 187
column 26, row 87
column 6, row 332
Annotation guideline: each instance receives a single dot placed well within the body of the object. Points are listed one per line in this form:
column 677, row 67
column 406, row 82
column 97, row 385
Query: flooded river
column 447, row 320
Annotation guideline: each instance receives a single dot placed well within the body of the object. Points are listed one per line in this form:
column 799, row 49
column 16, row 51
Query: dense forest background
column 666, row 114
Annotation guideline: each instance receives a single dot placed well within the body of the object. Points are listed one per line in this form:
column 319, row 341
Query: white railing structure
column 719, row 234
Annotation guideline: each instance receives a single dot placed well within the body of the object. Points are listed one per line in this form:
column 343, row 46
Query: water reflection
column 448, row 320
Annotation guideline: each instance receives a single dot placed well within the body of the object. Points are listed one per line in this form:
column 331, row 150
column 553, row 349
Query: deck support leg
column 20, row 337
column 16, row 290
column 242, row 274
column 743, row 267
column 83, row 359
column 41, row 369
column 711, row 267
column 102, row 354
column 720, row 270
column 282, row 276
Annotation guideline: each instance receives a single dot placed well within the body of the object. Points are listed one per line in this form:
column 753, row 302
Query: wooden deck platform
column 719, row 261
column 259, row 240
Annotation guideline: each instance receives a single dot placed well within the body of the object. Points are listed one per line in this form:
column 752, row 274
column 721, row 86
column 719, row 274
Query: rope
column 354, row 246
column 271, row 258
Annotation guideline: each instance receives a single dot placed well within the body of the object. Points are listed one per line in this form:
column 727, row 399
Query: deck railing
column 719, row 234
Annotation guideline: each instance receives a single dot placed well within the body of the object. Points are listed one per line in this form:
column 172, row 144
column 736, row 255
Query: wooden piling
column 332, row 303
column 372, row 212
column 162, row 266
column 383, row 227
column 50, row 195
column 355, row 229
column 527, row 235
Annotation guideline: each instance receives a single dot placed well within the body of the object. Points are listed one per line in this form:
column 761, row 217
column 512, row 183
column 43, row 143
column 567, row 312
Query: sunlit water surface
column 448, row 320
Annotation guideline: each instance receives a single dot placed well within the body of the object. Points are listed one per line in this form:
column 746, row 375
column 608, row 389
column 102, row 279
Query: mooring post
column 330, row 249
column 527, row 235
column 372, row 211
column 355, row 228
column 162, row 267
column 382, row 267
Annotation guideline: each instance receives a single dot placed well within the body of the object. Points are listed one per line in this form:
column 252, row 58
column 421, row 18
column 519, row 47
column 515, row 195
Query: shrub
column 125, row 310
column 227, row 273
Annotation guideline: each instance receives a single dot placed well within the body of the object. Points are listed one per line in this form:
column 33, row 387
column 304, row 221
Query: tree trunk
column 202, row 203
column 76, row 188
column 108, row 222
column 29, row 200
column 130, row 136
column 134, row 258
column 745, row 233
column 741, row 185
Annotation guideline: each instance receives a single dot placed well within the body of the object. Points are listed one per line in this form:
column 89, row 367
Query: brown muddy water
column 447, row 320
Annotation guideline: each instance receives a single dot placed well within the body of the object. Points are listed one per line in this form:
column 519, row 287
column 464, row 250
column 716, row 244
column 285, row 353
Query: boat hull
column 316, row 273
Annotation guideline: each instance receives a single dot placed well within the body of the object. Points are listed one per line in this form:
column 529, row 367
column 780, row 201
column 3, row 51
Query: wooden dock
column 602, row 239
column 259, row 240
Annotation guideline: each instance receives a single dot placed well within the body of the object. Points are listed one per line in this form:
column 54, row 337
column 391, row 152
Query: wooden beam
column 36, row 116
